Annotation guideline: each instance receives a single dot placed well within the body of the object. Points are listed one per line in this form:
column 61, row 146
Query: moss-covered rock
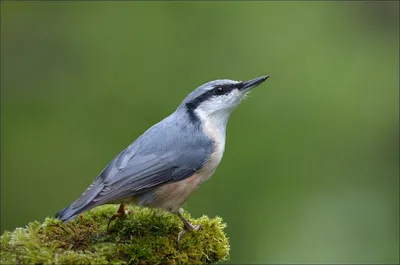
column 146, row 236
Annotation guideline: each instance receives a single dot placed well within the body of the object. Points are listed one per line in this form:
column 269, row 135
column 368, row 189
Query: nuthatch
column 170, row 160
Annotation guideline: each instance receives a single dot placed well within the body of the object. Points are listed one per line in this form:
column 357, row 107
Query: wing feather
column 169, row 151
column 143, row 172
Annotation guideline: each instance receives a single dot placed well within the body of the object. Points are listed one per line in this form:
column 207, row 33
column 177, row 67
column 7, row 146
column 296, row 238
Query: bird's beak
column 247, row 85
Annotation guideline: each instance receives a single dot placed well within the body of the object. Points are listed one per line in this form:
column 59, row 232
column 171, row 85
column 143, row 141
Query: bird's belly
column 171, row 196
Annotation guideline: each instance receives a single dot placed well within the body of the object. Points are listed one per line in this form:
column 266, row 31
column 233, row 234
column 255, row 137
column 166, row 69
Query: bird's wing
column 137, row 169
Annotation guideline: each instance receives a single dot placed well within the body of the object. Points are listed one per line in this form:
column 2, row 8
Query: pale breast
column 218, row 138
column 171, row 196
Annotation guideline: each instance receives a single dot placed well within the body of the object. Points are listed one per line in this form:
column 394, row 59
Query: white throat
column 214, row 121
column 214, row 126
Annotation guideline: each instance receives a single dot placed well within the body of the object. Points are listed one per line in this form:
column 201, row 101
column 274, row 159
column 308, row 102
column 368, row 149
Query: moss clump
column 146, row 236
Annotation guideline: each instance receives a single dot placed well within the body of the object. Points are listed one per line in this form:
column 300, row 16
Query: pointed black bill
column 247, row 85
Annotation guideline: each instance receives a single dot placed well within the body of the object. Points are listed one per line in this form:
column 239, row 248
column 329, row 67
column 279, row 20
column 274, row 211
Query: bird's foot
column 184, row 231
column 122, row 212
column 187, row 227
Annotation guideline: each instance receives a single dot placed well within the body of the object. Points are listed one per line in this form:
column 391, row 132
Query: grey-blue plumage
column 171, row 159
column 169, row 151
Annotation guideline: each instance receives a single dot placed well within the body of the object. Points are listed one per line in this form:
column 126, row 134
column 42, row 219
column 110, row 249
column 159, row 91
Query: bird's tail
column 66, row 214
column 84, row 203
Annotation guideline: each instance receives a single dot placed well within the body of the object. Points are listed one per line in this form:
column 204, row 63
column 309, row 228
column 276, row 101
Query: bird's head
column 218, row 98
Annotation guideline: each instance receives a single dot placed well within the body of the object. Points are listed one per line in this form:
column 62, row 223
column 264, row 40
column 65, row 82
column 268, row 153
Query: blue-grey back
column 171, row 150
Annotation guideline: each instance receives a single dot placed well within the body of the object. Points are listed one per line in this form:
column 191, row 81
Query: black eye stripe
column 221, row 90
column 226, row 89
column 216, row 91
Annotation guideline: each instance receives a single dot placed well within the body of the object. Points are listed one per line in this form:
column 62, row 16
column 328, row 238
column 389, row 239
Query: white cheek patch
column 223, row 104
column 234, row 98
column 228, row 101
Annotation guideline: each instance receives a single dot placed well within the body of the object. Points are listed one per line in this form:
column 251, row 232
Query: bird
column 170, row 160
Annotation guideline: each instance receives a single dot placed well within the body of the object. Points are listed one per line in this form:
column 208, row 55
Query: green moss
column 146, row 236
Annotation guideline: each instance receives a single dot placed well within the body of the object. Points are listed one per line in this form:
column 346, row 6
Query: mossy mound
column 146, row 236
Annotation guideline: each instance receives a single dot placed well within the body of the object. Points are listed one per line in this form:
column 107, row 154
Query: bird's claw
column 188, row 227
column 122, row 212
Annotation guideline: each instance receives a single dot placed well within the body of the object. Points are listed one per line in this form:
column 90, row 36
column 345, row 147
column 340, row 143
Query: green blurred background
column 311, row 168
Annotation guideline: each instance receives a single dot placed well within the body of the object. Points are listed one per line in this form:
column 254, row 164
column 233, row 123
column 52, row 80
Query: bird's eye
column 219, row 90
